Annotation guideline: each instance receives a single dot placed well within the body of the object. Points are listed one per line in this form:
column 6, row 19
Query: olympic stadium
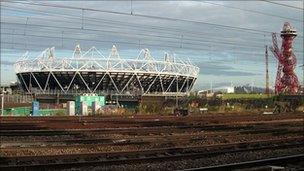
column 92, row 72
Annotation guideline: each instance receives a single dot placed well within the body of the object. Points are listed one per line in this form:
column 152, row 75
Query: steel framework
column 92, row 72
column 286, row 79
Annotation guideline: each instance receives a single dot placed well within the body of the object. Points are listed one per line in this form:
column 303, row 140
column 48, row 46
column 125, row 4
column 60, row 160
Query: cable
column 289, row 6
column 216, row 42
column 178, row 35
column 127, row 34
column 141, row 34
column 198, row 55
column 101, row 31
column 249, row 30
column 173, row 45
column 120, row 23
column 147, row 44
column 130, row 35
column 252, row 11
column 135, row 44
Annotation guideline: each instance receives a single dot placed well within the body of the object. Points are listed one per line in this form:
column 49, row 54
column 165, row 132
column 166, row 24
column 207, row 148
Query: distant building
column 6, row 89
column 218, row 90
column 230, row 89
column 250, row 89
column 13, row 87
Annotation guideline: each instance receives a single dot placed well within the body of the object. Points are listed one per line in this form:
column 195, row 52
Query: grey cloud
column 214, row 85
column 6, row 63
column 152, row 28
column 208, row 68
column 221, row 84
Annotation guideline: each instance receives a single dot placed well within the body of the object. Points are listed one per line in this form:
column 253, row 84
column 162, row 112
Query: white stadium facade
column 92, row 72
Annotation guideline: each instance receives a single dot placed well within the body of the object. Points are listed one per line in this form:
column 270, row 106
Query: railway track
column 98, row 122
column 139, row 140
column 154, row 155
column 261, row 164
column 51, row 143
column 136, row 130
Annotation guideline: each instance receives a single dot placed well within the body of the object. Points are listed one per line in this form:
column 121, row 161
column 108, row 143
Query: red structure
column 286, row 79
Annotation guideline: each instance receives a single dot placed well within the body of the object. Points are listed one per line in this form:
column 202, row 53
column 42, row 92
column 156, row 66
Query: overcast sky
column 225, row 55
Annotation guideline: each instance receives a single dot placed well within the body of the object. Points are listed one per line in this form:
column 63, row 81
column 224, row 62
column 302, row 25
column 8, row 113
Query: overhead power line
column 249, row 30
column 253, row 11
column 205, row 43
column 131, row 43
column 129, row 34
column 175, row 39
column 285, row 5
column 121, row 24
column 198, row 57
column 163, row 37
column 173, row 44
column 188, row 34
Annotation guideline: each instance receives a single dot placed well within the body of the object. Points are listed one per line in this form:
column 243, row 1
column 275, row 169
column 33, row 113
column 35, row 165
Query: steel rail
column 282, row 160
column 125, row 130
column 177, row 153
column 169, row 120
column 93, row 142
column 143, row 129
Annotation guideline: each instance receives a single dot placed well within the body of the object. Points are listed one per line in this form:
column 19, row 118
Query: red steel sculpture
column 286, row 79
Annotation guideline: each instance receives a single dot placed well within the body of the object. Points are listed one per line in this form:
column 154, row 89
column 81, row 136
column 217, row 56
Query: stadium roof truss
column 143, row 75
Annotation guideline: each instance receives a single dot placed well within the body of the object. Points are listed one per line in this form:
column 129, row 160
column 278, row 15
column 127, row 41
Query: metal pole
column 2, row 101
column 176, row 101
column 131, row 6
column 181, row 41
column 211, row 87
column 82, row 11
column 267, row 72
column 62, row 39
column 176, row 93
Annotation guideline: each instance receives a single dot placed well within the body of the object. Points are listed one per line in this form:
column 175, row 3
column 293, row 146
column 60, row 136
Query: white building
column 228, row 89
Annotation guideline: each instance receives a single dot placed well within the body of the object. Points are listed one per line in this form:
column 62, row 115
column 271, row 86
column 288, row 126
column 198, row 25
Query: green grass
column 245, row 96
